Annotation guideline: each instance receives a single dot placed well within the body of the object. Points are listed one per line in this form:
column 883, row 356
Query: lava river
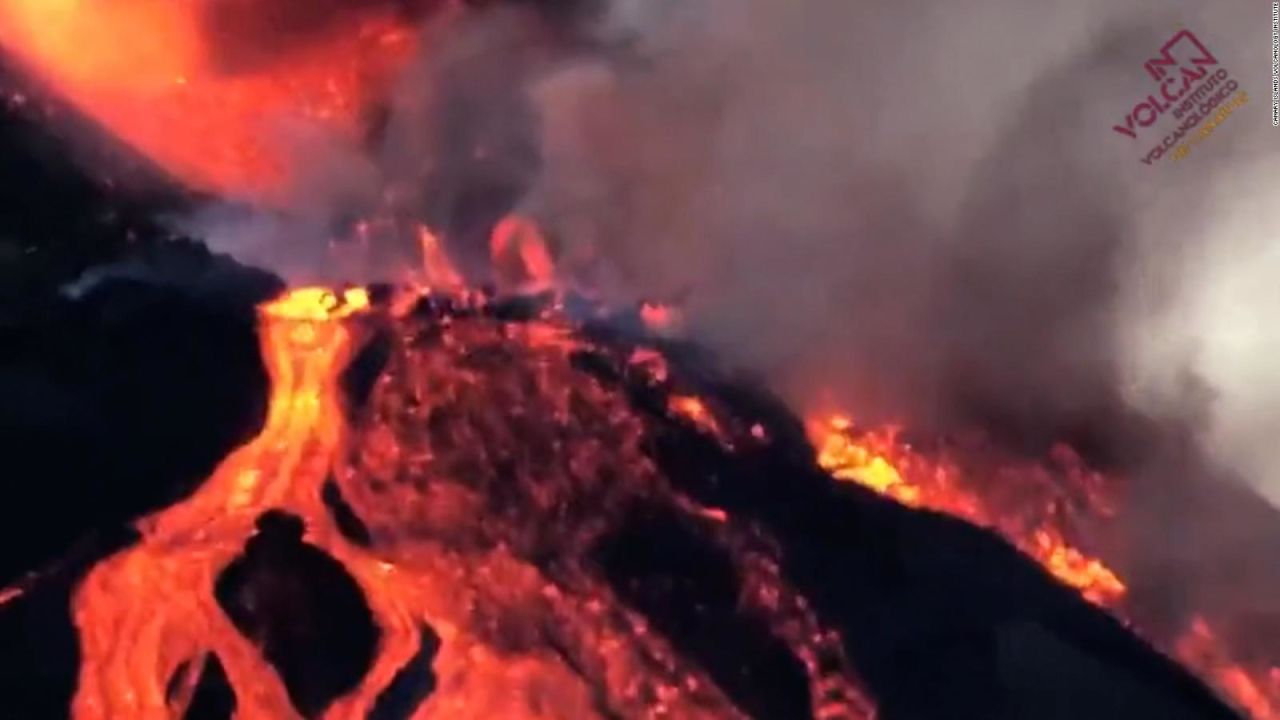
column 478, row 526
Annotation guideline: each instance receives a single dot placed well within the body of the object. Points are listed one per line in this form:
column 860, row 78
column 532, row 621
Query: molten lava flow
column 153, row 72
column 878, row 461
column 1036, row 508
column 131, row 644
column 487, row 471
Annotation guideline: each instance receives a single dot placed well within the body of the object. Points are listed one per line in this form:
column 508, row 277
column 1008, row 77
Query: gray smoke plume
column 917, row 211
column 923, row 213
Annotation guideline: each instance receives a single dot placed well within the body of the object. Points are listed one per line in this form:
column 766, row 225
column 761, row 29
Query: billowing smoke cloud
column 925, row 212
column 917, row 211
column 453, row 148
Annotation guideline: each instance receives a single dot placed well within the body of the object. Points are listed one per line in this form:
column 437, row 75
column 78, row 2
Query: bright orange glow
column 877, row 460
column 144, row 70
column 520, row 255
column 661, row 319
column 317, row 304
column 441, row 556
column 858, row 462
column 696, row 411
column 1037, row 520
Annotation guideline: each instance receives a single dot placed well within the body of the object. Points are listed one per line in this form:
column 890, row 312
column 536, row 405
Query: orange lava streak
column 878, row 460
column 1256, row 690
column 130, row 646
column 696, row 411
column 145, row 70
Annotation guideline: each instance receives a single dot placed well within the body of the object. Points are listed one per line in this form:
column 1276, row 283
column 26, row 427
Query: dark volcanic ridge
column 939, row 619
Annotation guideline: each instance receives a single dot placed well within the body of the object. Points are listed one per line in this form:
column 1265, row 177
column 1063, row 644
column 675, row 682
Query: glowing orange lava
column 146, row 70
column 520, row 255
column 129, row 648
column 1039, row 526
column 696, row 411
column 519, row 638
column 876, row 460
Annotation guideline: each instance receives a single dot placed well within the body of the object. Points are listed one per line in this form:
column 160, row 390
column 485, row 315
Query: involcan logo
column 1193, row 88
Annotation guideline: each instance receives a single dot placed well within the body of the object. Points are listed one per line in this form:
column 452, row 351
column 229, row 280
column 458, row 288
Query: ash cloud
column 879, row 207
column 918, row 213
column 923, row 214
column 914, row 212
column 453, row 147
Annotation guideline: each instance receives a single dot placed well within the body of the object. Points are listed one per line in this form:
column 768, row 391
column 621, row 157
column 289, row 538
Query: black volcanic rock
column 39, row 650
column 114, row 405
column 688, row 588
column 58, row 217
column 213, row 699
column 303, row 609
column 39, row 653
column 411, row 685
column 120, row 387
column 934, row 612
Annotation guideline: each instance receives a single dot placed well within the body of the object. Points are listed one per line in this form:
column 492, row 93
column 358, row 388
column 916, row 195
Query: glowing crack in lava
column 485, row 467
column 1035, row 506
column 158, row 75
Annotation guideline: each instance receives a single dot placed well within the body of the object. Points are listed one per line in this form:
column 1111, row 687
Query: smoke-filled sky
column 914, row 209
column 922, row 209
